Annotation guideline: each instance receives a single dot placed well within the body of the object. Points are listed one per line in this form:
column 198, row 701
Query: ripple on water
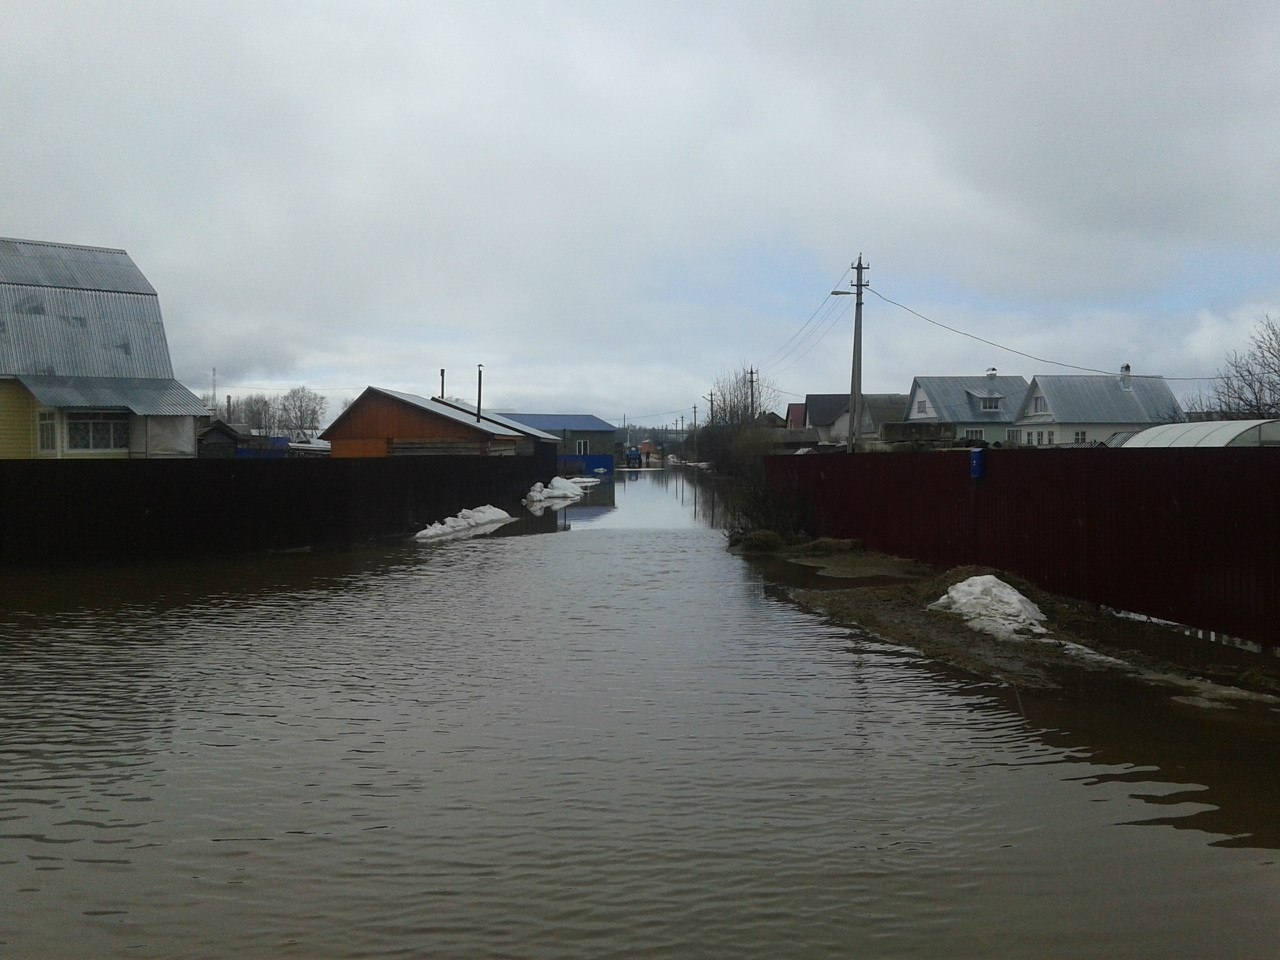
column 593, row 744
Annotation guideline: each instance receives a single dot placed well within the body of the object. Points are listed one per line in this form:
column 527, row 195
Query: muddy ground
column 889, row 597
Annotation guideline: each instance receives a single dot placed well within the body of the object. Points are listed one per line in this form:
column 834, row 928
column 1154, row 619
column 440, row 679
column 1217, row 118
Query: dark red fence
column 1191, row 536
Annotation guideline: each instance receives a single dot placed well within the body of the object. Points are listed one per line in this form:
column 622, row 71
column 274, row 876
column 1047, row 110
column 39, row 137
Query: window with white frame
column 1080, row 436
column 973, row 434
column 990, row 403
column 1039, row 438
column 1051, row 438
column 1013, row 436
column 1040, row 405
column 47, row 431
column 582, row 447
column 98, row 431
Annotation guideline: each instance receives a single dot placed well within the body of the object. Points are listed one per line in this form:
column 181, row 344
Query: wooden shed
column 387, row 423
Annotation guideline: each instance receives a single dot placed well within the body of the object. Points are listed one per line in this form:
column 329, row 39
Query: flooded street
column 608, row 739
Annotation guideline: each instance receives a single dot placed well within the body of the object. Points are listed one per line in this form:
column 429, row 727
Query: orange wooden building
column 387, row 423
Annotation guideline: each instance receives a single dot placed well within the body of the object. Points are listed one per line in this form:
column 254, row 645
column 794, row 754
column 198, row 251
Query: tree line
column 297, row 413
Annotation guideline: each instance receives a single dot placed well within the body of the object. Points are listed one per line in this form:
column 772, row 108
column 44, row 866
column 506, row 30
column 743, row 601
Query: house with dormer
column 1089, row 409
column 84, row 363
column 980, row 409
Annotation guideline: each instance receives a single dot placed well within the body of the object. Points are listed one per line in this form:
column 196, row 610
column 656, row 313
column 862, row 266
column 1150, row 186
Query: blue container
column 977, row 463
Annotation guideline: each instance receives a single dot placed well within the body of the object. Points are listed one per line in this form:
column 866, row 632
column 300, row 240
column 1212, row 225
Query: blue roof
column 556, row 423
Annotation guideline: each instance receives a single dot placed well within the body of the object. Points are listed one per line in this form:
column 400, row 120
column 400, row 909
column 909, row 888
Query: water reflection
column 611, row 741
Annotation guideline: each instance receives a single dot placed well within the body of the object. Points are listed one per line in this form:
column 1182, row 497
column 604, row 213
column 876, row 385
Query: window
column 1013, row 436
column 582, row 447
column 46, row 430
column 1051, row 438
column 921, row 406
column 973, row 434
column 1040, row 437
column 97, row 431
column 1080, row 436
column 1040, row 405
column 990, row 403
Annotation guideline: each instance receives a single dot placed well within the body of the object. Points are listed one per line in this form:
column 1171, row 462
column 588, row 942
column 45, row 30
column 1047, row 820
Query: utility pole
column 751, row 383
column 855, row 379
column 711, row 413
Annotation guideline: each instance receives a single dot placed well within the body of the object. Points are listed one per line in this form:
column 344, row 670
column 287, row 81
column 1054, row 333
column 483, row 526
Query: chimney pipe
column 479, row 385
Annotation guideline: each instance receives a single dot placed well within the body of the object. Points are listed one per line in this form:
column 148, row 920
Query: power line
column 1021, row 353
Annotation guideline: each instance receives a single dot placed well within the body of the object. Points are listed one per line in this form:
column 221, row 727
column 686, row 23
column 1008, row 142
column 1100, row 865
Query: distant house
column 1089, row 409
column 84, row 363
column 828, row 414
column 388, row 423
column 577, row 434
column 982, row 408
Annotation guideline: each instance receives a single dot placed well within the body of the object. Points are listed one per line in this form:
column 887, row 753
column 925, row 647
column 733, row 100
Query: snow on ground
column 990, row 605
column 468, row 523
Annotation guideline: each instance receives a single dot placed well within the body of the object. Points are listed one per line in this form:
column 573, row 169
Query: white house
column 1092, row 408
column 981, row 408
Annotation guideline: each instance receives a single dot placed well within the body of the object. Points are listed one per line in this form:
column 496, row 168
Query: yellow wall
column 17, row 421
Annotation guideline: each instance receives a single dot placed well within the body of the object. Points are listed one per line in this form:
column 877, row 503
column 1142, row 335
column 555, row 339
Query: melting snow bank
column 468, row 523
column 990, row 605
column 559, row 489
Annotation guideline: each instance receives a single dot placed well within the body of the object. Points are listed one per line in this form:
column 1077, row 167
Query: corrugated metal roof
column 554, row 423
column 824, row 409
column 959, row 399
column 500, row 420
column 1105, row 399
column 41, row 264
column 1218, row 433
column 451, row 413
column 145, row 397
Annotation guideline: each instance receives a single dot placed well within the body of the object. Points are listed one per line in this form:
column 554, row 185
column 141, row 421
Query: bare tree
column 740, row 396
column 260, row 412
column 301, row 410
column 1249, row 385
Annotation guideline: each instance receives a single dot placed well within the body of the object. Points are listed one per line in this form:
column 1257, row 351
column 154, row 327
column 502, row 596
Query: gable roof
column 554, row 423
column 959, row 399
column 499, row 419
column 885, row 407
column 78, row 312
column 1105, row 398
column 432, row 406
column 824, row 409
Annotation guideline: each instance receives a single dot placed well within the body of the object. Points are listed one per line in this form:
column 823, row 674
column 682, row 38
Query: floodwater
column 609, row 738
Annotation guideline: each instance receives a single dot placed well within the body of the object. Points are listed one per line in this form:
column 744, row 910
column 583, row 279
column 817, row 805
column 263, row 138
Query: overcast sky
column 610, row 205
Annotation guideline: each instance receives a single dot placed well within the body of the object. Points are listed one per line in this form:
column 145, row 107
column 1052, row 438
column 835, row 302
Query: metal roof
column 143, row 396
column 78, row 312
column 1104, row 399
column 1216, row 433
column 434, row 406
column 959, row 399
column 500, row 420
column 554, row 423
column 41, row 264
column 823, row 409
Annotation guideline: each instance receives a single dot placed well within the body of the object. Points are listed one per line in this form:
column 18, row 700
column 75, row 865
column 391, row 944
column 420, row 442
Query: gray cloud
column 609, row 205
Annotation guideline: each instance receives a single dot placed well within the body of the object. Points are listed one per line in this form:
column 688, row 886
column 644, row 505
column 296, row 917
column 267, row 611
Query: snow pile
column 468, row 523
column 558, row 489
column 989, row 604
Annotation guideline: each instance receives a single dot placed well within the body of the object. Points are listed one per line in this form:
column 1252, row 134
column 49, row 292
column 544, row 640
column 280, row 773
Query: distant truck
column 634, row 457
